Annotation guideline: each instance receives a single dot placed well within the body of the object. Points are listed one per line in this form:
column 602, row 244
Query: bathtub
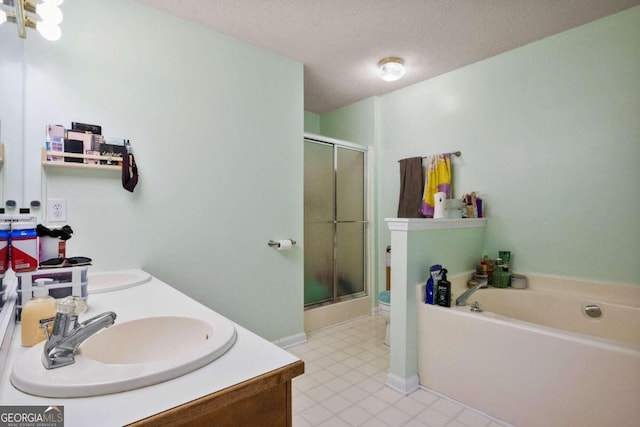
column 533, row 357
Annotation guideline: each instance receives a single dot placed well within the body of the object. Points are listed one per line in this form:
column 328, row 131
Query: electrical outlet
column 57, row 210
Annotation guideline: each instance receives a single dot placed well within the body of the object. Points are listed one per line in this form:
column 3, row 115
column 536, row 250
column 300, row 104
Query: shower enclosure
column 334, row 223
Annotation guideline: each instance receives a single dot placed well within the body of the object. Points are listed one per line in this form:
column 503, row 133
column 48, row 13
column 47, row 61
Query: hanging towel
column 410, row 188
column 438, row 179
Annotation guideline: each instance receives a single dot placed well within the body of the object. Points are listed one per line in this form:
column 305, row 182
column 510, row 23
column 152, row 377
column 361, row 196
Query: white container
column 518, row 281
column 64, row 282
column 51, row 247
column 453, row 208
column 439, row 200
column 5, row 232
column 24, row 246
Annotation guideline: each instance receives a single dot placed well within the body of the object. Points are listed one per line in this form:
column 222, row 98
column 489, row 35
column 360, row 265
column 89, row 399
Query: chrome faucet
column 68, row 334
column 462, row 299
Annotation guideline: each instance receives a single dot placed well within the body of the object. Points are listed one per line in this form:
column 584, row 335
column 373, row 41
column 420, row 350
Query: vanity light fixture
column 42, row 15
column 391, row 68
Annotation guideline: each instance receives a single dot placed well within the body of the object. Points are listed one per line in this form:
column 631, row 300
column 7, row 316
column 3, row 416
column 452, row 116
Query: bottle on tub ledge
column 444, row 290
column 432, row 284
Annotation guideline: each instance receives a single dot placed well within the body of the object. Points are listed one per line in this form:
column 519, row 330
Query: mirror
column 11, row 117
column 1, row 164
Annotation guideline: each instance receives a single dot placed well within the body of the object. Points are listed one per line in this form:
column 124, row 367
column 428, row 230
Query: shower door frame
column 310, row 138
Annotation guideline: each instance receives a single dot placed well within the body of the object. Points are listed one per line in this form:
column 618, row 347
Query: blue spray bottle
column 434, row 276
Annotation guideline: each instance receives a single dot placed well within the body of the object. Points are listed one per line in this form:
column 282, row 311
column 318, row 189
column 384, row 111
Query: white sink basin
column 116, row 280
column 127, row 356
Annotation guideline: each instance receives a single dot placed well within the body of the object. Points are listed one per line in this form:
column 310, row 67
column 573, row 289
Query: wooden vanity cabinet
column 261, row 401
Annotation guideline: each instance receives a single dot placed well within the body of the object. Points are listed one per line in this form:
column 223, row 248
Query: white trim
column 403, row 385
column 470, row 408
column 333, row 314
column 319, row 138
column 291, row 340
column 419, row 224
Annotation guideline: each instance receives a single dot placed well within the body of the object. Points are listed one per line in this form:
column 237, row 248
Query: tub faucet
column 68, row 334
column 462, row 299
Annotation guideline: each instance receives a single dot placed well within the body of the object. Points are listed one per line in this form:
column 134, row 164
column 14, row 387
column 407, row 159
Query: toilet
column 384, row 309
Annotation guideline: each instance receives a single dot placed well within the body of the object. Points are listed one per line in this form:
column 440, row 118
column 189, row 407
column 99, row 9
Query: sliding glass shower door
column 334, row 223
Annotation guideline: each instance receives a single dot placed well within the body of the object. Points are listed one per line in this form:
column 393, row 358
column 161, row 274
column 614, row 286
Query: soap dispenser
column 41, row 307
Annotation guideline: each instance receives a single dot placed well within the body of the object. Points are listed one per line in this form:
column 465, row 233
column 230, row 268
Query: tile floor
column 344, row 385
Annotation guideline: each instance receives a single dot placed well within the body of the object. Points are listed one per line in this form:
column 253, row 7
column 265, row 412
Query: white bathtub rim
column 618, row 346
column 627, row 294
column 579, row 290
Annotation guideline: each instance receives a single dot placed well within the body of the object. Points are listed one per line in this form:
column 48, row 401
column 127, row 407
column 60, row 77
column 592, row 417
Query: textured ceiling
column 341, row 41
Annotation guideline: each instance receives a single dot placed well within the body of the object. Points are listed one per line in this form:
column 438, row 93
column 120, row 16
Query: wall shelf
column 421, row 224
column 59, row 164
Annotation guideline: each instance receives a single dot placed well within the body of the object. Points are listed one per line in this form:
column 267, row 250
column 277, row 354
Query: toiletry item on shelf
column 115, row 148
column 41, row 307
column 432, row 282
column 473, row 206
column 5, row 228
column 52, row 242
column 84, row 138
column 24, row 246
column 55, row 141
column 73, row 146
column 518, row 281
column 444, row 290
column 86, row 128
column 505, row 256
column 501, row 279
column 439, row 200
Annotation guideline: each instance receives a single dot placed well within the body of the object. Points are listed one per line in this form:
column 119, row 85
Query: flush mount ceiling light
column 391, row 69
column 43, row 15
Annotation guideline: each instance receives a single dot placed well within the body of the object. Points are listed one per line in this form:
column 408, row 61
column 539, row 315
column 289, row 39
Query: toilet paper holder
column 275, row 244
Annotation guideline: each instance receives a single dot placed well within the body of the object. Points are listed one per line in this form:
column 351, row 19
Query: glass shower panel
column 349, row 185
column 350, row 259
column 350, row 215
column 319, row 183
column 319, row 226
column 319, row 263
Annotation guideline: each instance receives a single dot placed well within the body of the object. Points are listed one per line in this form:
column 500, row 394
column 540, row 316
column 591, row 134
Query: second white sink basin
column 127, row 356
column 110, row 281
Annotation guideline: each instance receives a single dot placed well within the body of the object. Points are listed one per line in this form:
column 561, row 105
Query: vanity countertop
column 250, row 357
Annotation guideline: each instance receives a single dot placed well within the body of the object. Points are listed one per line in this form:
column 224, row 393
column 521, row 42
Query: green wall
column 311, row 122
column 549, row 136
column 355, row 123
column 210, row 138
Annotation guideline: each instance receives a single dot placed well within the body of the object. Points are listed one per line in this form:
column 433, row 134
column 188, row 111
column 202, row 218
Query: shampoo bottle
column 41, row 307
column 444, row 290
column 434, row 276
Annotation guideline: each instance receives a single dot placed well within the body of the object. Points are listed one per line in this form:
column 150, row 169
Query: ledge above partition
column 420, row 224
